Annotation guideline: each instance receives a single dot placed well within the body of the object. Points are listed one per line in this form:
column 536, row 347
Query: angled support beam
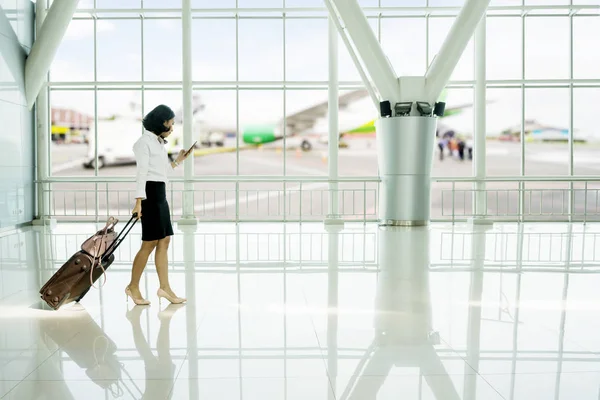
column 368, row 47
column 370, row 89
column 45, row 46
column 443, row 64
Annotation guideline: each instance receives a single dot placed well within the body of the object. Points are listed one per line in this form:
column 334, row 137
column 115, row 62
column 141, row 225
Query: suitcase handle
column 111, row 249
column 129, row 225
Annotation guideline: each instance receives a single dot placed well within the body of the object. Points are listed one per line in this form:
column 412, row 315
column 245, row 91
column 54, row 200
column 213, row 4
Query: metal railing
column 218, row 199
column 310, row 198
column 522, row 199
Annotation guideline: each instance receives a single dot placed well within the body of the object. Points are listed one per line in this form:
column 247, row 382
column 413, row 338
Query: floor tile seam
column 576, row 343
column 18, row 355
column 312, row 322
column 198, row 325
column 6, row 296
column 48, row 357
column 28, row 348
column 474, row 370
column 13, row 388
column 539, row 373
column 28, row 375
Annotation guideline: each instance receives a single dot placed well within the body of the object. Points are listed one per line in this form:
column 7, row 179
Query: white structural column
column 475, row 312
column 443, row 64
column 333, row 114
column 363, row 75
column 405, row 137
column 42, row 131
column 375, row 61
column 479, row 150
column 188, row 118
column 48, row 39
column 333, row 242
column 189, row 259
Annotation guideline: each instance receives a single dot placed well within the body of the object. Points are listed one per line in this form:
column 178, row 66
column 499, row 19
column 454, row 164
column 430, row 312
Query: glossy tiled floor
column 297, row 312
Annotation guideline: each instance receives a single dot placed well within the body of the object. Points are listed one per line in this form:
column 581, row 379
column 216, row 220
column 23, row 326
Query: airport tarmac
column 359, row 160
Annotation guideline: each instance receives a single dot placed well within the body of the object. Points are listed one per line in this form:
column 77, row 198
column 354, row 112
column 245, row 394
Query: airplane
column 535, row 131
column 118, row 133
column 300, row 123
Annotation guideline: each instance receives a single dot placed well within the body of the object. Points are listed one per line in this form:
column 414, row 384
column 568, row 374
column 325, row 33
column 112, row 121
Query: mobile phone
column 191, row 148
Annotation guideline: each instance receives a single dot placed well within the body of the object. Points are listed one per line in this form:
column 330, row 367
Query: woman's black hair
column 155, row 120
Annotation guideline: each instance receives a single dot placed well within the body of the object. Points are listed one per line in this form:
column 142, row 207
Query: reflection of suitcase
column 92, row 351
column 74, row 279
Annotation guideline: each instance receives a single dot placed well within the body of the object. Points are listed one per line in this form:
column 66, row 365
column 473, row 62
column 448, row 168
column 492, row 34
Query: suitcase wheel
column 62, row 300
column 82, row 294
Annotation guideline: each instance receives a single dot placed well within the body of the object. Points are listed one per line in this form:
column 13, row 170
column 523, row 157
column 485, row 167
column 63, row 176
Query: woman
column 151, row 202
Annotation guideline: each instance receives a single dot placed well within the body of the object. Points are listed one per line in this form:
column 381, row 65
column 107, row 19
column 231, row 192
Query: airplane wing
column 307, row 118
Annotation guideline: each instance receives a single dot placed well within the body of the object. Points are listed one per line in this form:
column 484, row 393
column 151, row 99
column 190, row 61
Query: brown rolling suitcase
column 75, row 278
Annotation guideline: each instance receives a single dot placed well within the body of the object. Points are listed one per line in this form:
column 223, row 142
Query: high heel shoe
column 139, row 302
column 173, row 300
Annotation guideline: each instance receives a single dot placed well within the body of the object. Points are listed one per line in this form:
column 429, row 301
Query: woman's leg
column 139, row 264
column 162, row 263
column 162, row 267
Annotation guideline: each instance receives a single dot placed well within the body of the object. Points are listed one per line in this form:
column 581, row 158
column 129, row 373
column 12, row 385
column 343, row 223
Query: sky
column 261, row 56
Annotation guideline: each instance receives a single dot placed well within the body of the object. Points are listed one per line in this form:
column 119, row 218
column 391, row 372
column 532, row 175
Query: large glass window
column 72, row 132
column 503, row 121
column 162, row 50
column 261, row 74
column 408, row 56
column 119, row 50
column 547, row 47
column 306, row 50
column 546, row 131
column 261, row 50
column 586, row 47
column 585, row 130
column 504, row 48
column 213, row 49
column 74, row 60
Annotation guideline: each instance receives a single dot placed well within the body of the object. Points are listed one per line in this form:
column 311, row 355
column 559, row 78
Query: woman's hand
column 137, row 208
column 182, row 156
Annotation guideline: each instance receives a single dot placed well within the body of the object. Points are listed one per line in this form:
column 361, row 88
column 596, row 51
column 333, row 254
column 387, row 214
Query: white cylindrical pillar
column 188, row 118
column 333, row 111
column 405, row 156
column 479, row 148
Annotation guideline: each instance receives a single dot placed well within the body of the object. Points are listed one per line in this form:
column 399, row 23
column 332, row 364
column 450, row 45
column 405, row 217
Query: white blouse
column 152, row 162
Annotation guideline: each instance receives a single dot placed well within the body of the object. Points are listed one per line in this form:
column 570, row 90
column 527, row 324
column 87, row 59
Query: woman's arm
column 142, row 161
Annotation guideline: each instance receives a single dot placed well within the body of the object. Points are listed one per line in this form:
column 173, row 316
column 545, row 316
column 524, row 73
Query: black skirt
column 156, row 217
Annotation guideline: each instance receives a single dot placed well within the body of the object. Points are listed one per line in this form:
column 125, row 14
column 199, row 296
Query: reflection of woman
column 161, row 368
column 151, row 202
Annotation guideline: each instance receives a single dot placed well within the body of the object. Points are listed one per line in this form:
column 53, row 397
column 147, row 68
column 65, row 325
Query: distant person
column 469, row 142
column 151, row 202
column 441, row 146
column 461, row 148
column 449, row 134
